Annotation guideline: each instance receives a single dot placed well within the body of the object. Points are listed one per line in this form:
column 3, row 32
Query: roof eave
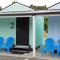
column 31, row 13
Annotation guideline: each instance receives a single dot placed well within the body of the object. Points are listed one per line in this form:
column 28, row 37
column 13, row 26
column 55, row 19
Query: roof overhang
column 31, row 13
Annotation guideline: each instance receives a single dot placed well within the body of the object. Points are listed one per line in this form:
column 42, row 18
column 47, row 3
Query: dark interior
column 22, row 31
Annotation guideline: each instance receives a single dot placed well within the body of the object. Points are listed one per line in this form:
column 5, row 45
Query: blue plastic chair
column 9, row 44
column 49, row 46
column 58, row 48
column 1, row 42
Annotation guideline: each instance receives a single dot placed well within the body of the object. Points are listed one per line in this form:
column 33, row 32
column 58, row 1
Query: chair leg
column 0, row 50
column 57, row 53
column 8, row 50
column 52, row 53
column 43, row 52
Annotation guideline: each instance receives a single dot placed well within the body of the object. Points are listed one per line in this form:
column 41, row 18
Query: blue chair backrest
column 49, row 43
column 10, row 42
column 1, row 41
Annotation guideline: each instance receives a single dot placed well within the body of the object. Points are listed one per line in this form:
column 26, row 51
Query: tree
column 38, row 7
column 46, row 24
column 0, row 8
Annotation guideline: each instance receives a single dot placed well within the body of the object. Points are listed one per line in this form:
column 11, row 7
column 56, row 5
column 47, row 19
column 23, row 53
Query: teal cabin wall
column 39, row 30
column 5, row 28
column 54, row 28
column 6, row 31
column 31, row 32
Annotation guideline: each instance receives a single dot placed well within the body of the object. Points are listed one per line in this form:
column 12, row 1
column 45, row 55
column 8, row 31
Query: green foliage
column 46, row 23
column 38, row 7
column 0, row 8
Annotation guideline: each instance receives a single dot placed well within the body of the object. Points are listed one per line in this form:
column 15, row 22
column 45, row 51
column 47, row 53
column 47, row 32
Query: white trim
column 29, row 15
column 34, row 40
column 17, row 46
column 21, row 46
column 28, row 12
column 14, row 16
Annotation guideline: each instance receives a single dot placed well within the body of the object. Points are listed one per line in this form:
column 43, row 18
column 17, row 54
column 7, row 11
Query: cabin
column 21, row 27
column 26, row 26
column 54, row 23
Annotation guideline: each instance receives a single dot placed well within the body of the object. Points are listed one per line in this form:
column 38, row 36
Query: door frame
column 22, row 46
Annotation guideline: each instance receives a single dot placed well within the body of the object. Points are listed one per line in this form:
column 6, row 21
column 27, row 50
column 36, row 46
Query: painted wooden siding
column 54, row 28
column 5, row 30
column 39, row 30
column 31, row 32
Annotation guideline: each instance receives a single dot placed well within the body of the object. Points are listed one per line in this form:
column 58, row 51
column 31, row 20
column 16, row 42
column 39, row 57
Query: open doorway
column 22, row 31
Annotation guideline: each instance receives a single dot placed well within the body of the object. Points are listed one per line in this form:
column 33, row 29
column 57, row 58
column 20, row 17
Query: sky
column 48, row 3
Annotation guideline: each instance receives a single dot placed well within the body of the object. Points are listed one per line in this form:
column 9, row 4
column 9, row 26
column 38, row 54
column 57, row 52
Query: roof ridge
column 14, row 3
column 23, row 5
column 53, row 5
